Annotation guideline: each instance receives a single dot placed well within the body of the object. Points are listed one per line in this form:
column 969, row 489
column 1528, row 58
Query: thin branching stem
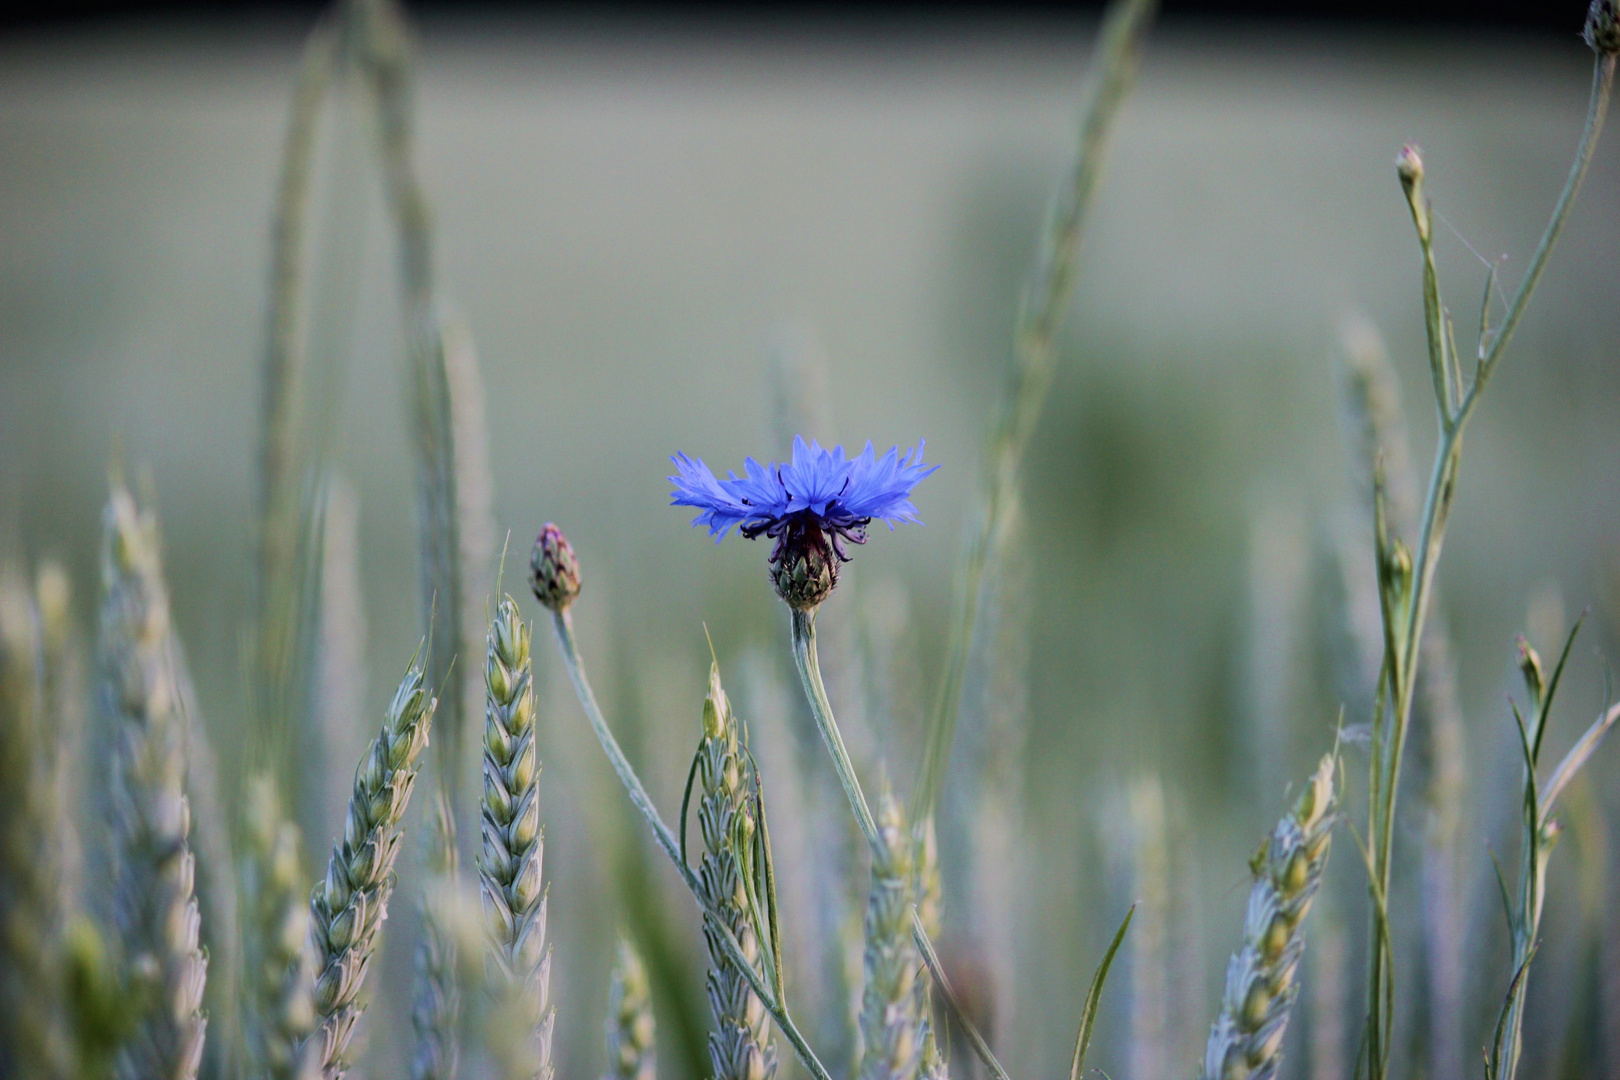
column 1401, row 673
column 1596, row 109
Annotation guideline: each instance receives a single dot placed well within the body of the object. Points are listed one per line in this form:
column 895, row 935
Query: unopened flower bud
column 1602, row 30
column 1409, row 166
column 554, row 570
column 1398, row 571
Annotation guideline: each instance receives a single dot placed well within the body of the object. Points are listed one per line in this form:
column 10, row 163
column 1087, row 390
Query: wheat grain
column 32, row 1037
column 436, row 997
column 631, row 1033
column 154, row 907
column 278, row 974
column 891, row 1026
column 739, row 1048
column 1245, row 1042
column 1044, row 304
column 509, row 867
column 930, row 900
column 347, row 909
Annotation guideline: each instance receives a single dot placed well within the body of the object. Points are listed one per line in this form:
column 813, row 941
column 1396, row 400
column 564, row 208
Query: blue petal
column 696, row 486
column 881, row 488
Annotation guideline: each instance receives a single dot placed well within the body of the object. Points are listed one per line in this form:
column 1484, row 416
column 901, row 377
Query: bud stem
column 563, row 622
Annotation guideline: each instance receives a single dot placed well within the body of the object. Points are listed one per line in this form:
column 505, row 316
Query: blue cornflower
column 810, row 506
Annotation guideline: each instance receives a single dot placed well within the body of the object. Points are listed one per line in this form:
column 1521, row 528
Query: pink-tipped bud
column 1602, row 30
column 554, row 570
column 1409, row 166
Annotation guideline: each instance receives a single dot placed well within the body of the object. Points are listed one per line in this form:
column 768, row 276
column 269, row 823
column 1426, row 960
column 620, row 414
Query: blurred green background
column 635, row 221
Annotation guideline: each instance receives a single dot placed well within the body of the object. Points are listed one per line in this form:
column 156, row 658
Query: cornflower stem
column 1404, row 622
column 804, row 656
column 1045, row 301
column 562, row 621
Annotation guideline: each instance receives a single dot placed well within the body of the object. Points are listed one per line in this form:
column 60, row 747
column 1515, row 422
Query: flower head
column 811, row 506
column 1602, row 31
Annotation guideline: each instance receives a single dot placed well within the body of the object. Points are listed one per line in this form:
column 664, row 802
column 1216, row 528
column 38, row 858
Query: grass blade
column 1088, row 1014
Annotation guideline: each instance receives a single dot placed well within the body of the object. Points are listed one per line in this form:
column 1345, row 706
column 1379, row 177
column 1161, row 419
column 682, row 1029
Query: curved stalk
column 563, row 622
column 804, row 657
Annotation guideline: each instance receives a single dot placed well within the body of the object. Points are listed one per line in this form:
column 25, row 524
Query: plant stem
column 1390, row 751
column 804, row 656
column 1596, row 109
column 563, row 622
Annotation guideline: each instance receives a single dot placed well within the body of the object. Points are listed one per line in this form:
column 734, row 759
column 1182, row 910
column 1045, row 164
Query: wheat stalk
column 284, row 498
column 278, row 976
column 1041, row 310
column 64, row 697
column 631, row 1033
column 739, row 1047
column 32, row 1036
column 347, row 909
column 1245, row 1042
column 891, row 1021
column 436, row 1004
column 930, row 901
column 509, row 868
column 154, row 907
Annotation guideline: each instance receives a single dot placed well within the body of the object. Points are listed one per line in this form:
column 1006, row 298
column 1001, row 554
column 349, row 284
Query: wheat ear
column 514, row 845
column 1245, row 1042
column 891, row 1018
column 739, row 1046
column 154, row 906
column 631, row 1033
column 436, row 993
column 348, row 908
column 930, row 912
column 32, row 1036
column 278, row 974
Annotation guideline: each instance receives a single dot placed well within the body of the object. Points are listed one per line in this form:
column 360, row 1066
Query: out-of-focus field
column 632, row 220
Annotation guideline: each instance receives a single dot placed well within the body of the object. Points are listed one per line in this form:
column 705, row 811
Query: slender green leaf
column 686, row 799
column 1552, row 684
column 1584, row 747
column 1088, row 1016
